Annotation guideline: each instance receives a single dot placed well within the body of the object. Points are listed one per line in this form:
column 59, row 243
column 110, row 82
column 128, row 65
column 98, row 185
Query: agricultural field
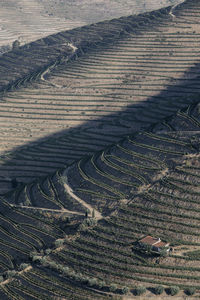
column 100, row 148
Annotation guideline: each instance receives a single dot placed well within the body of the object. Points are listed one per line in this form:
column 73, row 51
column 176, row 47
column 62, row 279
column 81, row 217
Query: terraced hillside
column 27, row 21
column 103, row 149
column 147, row 184
column 136, row 66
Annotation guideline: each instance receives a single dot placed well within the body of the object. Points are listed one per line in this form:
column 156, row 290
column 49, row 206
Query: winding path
column 49, row 209
column 69, row 190
column 51, row 67
column 173, row 7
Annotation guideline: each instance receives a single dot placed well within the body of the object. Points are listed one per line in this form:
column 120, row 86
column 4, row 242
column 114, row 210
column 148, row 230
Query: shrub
column 27, row 202
column 48, row 251
column 59, row 242
column 88, row 222
column 85, row 279
column 10, row 273
column 163, row 253
column 15, row 44
column 93, row 214
column 140, row 290
column 101, row 284
column 44, row 260
column 1, row 279
column 23, row 266
column 78, row 277
column 173, row 290
column 66, row 270
column 113, row 287
column 92, row 282
column 125, row 290
column 71, row 274
column 33, row 253
column 52, row 265
column 36, row 258
column 190, row 291
column 159, row 290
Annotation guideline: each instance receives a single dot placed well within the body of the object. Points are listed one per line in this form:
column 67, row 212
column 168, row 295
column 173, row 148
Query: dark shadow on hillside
column 145, row 115
column 25, row 63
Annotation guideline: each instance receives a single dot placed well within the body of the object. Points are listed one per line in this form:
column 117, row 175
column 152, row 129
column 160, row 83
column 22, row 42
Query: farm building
column 153, row 244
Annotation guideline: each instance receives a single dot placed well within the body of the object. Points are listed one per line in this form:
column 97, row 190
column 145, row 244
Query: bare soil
column 27, row 21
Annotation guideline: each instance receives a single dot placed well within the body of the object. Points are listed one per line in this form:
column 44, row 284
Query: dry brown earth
column 33, row 19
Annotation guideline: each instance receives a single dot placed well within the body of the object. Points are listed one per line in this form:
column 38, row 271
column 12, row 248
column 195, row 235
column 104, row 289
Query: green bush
column 59, row 242
column 163, row 253
column 190, row 291
column 33, row 253
column 113, row 287
column 125, row 290
column 48, row 251
column 15, row 44
column 92, row 282
column 10, row 273
column 23, row 266
column 66, row 270
column 27, row 202
column 140, row 290
column 173, row 290
column 101, row 284
column 159, row 290
column 36, row 258
column 52, row 265
column 43, row 260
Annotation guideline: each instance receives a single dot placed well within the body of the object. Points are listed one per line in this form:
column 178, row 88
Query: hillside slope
column 148, row 184
column 102, row 150
column 27, row 21
column 136, row 66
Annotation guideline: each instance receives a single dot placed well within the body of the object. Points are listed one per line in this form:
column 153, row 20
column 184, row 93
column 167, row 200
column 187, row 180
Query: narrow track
column 70, row 191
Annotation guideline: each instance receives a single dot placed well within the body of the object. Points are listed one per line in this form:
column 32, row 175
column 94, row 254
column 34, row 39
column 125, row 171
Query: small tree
column 15, row 44
column 125, row 290
column 159, row 290
column 140, row 290
column 163, row 252
column 27, row 202
column 87, row 213
column 48, row 251
column 92, row 282
column 190, row 291
column 10, row 273
column 36, row 258
column 174, row 290
column 23, row 266
column 101, row 284
column 43, row 260
column 59, row 242
column 66, row 270
column 93, row 213
column 113, row 287
column 52, row 265
column 1, row 279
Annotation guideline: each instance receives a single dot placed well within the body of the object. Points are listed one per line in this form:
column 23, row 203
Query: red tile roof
column 161, row 244
column 149, row 240
column 153, row 241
